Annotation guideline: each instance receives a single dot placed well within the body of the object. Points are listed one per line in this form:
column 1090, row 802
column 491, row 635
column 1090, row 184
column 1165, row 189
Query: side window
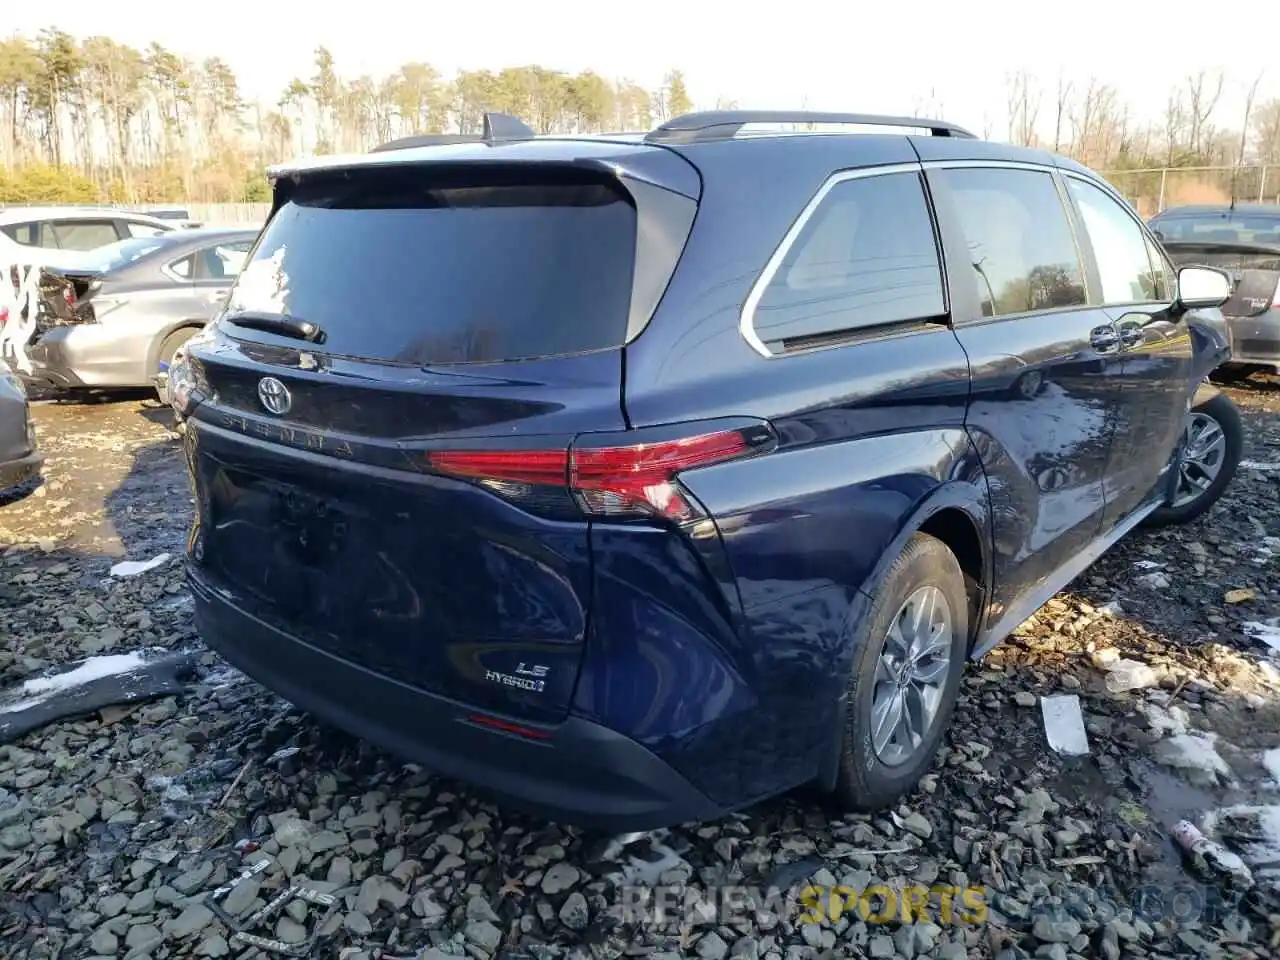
column 1119, row 246
column 84, row 234
column 221, row 261
column 183, row 268
column 133, row 229
column 866, row 257
column 1020, row 243
column 25, row 234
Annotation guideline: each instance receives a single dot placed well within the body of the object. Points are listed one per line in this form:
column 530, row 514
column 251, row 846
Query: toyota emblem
column 274, row 396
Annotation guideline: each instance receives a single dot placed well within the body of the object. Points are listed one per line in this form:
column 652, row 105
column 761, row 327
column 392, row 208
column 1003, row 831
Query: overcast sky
column 826, row 55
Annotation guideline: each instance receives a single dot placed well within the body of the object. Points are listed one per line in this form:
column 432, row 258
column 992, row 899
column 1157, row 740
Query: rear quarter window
column 866, row 257
column 396, row 269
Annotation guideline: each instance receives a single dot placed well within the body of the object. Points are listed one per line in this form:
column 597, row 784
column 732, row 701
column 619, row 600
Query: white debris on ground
column 40, row 689
column 1064, row 725
column 1253, row 831
column 132, row 568
column 1124, row 675
column 1197, row 755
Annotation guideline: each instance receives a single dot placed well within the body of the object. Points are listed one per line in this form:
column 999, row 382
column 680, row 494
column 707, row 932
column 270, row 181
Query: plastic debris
column 131, row 568
column 1209, row 856
column 1064, row 725
column 1128, row 674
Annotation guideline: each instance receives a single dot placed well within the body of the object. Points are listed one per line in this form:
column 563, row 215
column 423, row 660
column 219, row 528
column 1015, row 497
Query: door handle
column 1132, row 337
column 1105, row 339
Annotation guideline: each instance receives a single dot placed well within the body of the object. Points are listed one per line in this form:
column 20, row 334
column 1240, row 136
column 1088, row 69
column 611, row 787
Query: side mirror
column 1201, row 288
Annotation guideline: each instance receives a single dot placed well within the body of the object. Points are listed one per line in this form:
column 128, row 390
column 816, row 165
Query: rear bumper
column 83, row 355
column 577, row 772
column 1256, row 340
column 14, row 472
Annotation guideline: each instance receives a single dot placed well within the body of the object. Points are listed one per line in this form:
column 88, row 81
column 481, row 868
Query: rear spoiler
column 1220, row 246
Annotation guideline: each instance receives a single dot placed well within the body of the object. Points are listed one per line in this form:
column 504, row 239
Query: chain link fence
column 1154, row 189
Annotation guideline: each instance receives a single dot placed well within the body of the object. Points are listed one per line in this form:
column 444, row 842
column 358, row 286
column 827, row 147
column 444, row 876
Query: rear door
column 473, row 307
column 214, row 270
column 1135, row 286
column 1045, row 366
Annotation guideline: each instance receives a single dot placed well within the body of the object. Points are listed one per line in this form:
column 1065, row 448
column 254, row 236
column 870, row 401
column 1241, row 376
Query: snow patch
column 1267, row 631
column 1194, row 752
column 1271, row 760
column 1252, row 830
column 1174, row 721
column 1261, row 465
column 40, row 689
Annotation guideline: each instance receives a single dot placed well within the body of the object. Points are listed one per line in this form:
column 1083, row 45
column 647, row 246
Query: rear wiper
column 276, row 323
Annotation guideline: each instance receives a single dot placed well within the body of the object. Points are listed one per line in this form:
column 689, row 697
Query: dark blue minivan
column 638, row 478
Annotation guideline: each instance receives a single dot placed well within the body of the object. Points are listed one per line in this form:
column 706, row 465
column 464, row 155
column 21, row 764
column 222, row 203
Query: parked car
column 20, row 459
column 118, row 318
column 637, row 479
column 1245, row 241
column 77, row 228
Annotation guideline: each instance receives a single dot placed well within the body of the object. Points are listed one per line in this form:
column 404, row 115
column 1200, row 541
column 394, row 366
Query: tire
column 869, row 779
column 1232, row 373
column 1218, row 409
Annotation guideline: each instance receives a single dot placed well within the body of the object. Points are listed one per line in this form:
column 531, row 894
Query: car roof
column 23, row 214
column 507, row 138
column 1244, row 209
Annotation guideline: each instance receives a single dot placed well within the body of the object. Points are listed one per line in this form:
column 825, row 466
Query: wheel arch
column 158, row 341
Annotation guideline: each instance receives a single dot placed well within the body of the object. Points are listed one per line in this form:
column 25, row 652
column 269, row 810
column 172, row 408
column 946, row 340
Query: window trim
column 1149, row 242
column 173, row 275
column 746, row 320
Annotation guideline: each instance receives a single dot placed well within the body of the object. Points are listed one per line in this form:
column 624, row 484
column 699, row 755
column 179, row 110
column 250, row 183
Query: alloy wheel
column 911, row 675
column 1203, row 453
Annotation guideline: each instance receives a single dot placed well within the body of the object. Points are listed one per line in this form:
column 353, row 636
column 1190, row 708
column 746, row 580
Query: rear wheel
column 912, row 648
column 1212, row 442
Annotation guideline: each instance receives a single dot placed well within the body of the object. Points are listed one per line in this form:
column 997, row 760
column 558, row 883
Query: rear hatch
column 383, row 416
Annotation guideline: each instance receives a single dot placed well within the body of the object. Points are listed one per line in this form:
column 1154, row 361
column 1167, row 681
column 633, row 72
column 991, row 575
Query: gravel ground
column 115, row 828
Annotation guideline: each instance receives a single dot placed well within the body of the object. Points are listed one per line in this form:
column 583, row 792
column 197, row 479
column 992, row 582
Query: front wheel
column 1212, row 442
column 912, row 647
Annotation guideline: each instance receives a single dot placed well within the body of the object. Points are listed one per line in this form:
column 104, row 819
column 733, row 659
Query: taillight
column 4, row 317
column 617, row 481
column 68, row 296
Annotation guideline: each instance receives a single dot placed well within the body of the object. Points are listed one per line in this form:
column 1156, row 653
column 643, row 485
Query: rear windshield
column 394, row 269
column 1222, row 227
column 121, row 253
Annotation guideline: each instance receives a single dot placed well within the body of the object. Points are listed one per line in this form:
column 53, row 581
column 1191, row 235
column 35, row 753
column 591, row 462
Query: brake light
column 4, row 317
column 636, row 480
column 68, row 296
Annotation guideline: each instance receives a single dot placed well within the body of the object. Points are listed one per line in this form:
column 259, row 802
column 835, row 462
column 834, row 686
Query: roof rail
column 724, row 124
column 498, row 127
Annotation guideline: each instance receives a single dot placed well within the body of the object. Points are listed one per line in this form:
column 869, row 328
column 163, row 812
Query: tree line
column 91, row 120
column 95, row 120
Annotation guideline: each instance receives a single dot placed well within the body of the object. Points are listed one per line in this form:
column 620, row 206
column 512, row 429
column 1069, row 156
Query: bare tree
column 1024, row 108
column 1203, row 92
column 1062, row 105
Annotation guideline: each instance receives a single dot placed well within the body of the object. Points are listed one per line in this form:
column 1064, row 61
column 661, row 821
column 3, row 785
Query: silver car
column 118, row 322
column 19, row 459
